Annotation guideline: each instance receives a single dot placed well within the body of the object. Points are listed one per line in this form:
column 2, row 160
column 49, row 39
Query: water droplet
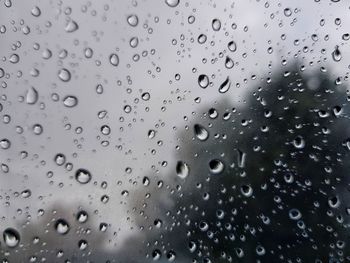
column 213, row 113
column 151, row 134
column 203, row 81
column 246, row 190
column 60, row 159
column 70, row 101
column 88, row 52
column 336, row 55
column 64, row 75
column 114, row 59
column 225, row 86
column 201, row 133
column 294, row 214
column 287, row 12
column 71, row 26
column 2, row 73
column 241, row 158
column 14, row 58
column 216, row 24
column 172, row 3
column 156, row 254
column 62, row 227
column 333, row 202
column 82, row 216
column 216, row 166
column 82, row 244
column 32, row 95
column 182, row 169
column 202, row 39
column 5, row 144
column 132, row 20
column 105, row 130
column 145, row 96
column 83, row 176
column 11, row 237
column 232, row 46
column 229, row 62
column 36, row 11
column 299, row 142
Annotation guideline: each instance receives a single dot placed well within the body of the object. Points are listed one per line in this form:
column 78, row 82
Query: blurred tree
column 266, row 181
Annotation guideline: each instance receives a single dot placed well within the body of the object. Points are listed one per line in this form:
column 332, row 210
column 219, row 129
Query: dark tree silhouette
column 265, row 181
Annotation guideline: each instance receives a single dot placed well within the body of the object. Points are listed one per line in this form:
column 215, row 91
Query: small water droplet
column 36, row 11
column 232, row 46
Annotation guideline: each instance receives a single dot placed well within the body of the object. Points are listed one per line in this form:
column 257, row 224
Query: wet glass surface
column 174, row 131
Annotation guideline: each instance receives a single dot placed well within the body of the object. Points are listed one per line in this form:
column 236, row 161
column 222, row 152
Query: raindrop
column 11, row 237
column 225, row 86
column 182, row 169
column 216, row 166
column 114, row 59
column 287, row 12
column 36, row 11
column 201, row 133
column 62, row 227
column 172, row 3
column 5, row 144
column 336, row 55
column 203, row 81
column 32, row 95
column 132, row 20
column 70, row 101
column 216, row 24
column 294, row 214
column 202, row 39
column 71, row 26
column 232, row 46
column 14, row 58
column 145, row 96
column 246, row 190
column 299, row 142
column 64, row 75
column 60, row 159
column 83, row 176
column 82, row 216
column 229, row 62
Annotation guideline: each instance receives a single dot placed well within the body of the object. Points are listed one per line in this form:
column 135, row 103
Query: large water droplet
column 232, row 46
column 71, row 26
column 114, row 59
column 216, row 24
column 64, row 75
column 203, row 81
column 132, row 20
column 32, row 95
column 336, row 55
column 11, row 237
column 62, row 227
column 70, row 101
column 216, row 166
column 172, row 3
column 201, row 133
column 83, row 176
column 182, row 169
